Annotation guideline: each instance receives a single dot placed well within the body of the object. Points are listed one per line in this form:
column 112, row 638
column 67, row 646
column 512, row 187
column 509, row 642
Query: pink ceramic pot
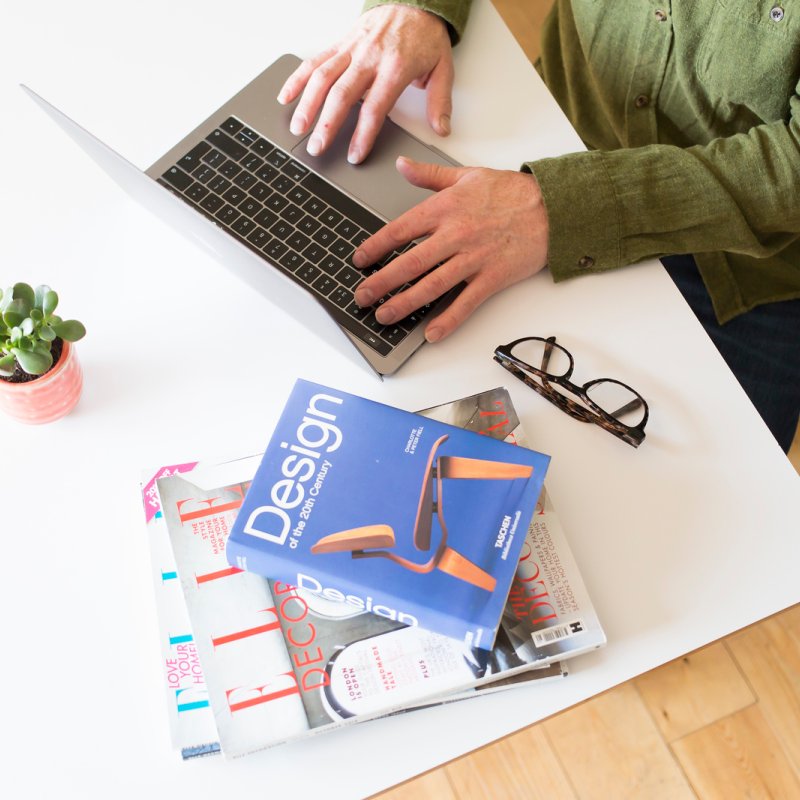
column 48, row 398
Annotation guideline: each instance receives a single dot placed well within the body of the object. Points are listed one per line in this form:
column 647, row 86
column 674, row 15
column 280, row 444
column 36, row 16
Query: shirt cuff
column 453, row 12
column 582, row 214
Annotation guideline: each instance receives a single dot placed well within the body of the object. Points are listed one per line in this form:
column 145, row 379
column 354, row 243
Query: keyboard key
column 275, row 249
column 244, row 225
column 234, row 195
column 314, row 253
column 178, row 178
column 250, row 207
column 330, row 264
column 394, row 334
column 245, row 180
column 308, row 225
column 260, row 191
column 292, row 213
column 192, row 158
column 298, row 241
column 324, row 284
column 265, row 218
column 230, row 169
column 341, row 248
column 324, row 236
column 281, row 229
column 294, row 170
column 214, row 158
column 349, row 276
column 259, row 237
column 247, row 136
column 358, row 312
column 277, row 202
column 266, row 172
column 331, row 218
column 282, row 183
column 230, row 147
column 299, row 195
column 308, row 272
column 277, row 158
column 292, row 261
column 203, row 174
column 341, row 296
column 227, row 214
column 231, row 125
column 197, row 192
column 347, row 229
column 219, row 184
column 252, row 162
column 314, row 206
column 212, row 203
column 262, row 147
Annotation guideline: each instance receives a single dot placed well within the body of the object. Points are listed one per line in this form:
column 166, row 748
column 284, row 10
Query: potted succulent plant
column 40, row 377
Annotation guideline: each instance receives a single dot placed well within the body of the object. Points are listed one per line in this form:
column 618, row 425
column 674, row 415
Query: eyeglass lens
column 616, row 399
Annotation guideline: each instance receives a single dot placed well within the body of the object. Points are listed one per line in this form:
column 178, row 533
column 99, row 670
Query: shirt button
column 585, row 262
column 776, row 14
column 642, row 101
column 661, row 16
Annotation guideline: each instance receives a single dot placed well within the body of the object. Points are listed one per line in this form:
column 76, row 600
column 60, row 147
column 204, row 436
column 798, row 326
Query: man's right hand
column 391, row 47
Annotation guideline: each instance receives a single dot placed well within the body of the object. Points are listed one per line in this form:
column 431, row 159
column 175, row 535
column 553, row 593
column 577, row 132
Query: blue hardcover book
column 407, row 517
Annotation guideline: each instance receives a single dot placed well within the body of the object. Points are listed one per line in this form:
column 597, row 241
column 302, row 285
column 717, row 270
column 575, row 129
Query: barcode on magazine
column 559, row 632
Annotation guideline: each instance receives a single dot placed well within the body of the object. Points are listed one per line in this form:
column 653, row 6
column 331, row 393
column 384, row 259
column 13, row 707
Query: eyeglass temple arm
column 548, row 349
column 631, row 405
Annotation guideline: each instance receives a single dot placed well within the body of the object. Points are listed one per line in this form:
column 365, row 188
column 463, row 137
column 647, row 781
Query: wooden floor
column 722, row 722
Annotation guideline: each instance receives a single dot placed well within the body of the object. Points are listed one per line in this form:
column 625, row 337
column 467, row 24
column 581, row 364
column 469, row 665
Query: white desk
column 681, row 542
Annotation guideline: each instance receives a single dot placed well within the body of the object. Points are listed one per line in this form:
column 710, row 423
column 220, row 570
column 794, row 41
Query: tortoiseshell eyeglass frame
column 590, row 411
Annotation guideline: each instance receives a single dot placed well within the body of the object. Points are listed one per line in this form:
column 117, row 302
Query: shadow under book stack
column 314, row 664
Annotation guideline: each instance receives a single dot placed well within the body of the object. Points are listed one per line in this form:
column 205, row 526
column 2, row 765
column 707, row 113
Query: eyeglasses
column 605, row 402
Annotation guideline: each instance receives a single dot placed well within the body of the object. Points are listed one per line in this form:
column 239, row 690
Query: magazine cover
column 407, row 517
column 191, row 721
column 548, row 615
column 280, row 663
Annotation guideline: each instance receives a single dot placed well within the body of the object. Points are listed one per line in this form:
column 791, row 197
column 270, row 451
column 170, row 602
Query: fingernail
column 433, row 334
column 364, row 297
column 314, row 146
column 298, row 125
column 359, row 259
column 385, row 315
column 354, row 156
column 444, row 124
column 282, row 96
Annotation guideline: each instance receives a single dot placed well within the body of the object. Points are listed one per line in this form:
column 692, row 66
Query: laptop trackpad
column 376, row 182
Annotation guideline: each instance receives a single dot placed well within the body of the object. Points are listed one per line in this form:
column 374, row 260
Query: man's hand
column 485, row 227
column 390, row 48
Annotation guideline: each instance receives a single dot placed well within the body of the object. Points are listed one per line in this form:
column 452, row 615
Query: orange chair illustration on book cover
column 362, row 541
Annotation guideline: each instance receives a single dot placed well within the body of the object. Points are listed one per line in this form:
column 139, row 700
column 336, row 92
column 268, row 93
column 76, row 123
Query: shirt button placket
column 776, row 14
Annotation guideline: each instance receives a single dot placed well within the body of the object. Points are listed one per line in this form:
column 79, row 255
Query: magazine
column 422, row 524
column 343, row 632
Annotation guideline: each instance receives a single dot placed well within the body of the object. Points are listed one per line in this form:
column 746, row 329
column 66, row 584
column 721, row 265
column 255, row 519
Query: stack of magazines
column 370, row 562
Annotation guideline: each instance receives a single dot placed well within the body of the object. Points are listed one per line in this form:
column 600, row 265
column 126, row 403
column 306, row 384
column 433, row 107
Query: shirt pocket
column 750, row 55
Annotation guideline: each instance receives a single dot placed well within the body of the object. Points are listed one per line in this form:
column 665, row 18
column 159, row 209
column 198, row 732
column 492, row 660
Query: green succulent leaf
column 40, row 347
column 70, row 330
column 7, row 364
column 40, row 292
column 27, row 326
column 46, row 333
column 50, row 301
column 16, row 311
column 32, row 362
column 37, row 315
column 22, row 291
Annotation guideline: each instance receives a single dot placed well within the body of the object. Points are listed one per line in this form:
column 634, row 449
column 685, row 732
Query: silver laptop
column 286, row 222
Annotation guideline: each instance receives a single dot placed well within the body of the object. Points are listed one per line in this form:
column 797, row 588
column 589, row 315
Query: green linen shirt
column 691, row 116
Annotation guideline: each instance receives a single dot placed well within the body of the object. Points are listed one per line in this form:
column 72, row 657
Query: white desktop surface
column 692, row 536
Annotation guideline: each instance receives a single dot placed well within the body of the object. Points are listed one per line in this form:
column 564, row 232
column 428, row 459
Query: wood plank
column 523, row 766
column 769, row 656
column 691, row 692
column 433, row 785
column 610, row 747
column 739, row 756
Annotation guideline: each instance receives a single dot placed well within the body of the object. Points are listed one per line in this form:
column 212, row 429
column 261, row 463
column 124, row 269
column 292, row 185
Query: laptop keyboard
column 300, row 222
